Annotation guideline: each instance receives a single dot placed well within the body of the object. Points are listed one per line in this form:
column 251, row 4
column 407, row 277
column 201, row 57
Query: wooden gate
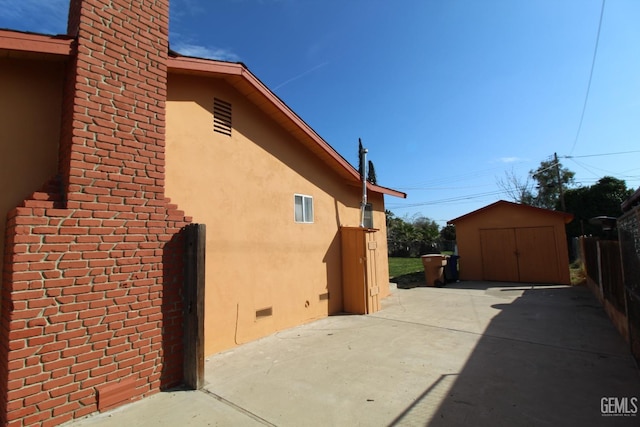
column 526, row 254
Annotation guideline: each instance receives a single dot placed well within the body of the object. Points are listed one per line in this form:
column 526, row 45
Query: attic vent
column 221, row 117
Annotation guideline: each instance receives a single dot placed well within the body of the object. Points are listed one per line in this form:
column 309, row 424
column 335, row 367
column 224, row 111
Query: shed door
column 538, row 257
column 499, row 255
column 525, row 254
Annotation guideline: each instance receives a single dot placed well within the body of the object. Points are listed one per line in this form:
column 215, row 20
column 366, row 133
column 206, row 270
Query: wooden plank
column 373, row 301
column 193, row 301
column 499, row 255
column 538, row 257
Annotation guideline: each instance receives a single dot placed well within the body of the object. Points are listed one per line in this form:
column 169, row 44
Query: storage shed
column 509, row 242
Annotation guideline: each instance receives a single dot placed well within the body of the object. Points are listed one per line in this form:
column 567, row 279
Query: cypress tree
column 360, row 158
column 371, row 175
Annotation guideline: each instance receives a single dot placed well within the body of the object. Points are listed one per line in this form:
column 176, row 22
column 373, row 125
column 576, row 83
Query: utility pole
column 564, row 207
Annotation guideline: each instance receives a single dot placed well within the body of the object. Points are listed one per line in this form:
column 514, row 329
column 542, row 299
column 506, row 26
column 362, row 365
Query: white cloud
column 179, row 9
column 199, row 51
column 510, row 159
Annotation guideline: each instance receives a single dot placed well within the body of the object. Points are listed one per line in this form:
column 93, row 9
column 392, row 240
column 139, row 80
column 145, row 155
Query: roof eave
column 15, row 41
column 385, row 190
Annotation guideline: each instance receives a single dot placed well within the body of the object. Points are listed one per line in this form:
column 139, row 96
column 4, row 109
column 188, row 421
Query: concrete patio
column 472, row 353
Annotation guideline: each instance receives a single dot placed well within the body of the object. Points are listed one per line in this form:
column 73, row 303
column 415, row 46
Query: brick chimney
column 91, row 303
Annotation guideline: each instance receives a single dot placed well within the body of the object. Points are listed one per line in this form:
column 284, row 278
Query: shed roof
column 566, row 217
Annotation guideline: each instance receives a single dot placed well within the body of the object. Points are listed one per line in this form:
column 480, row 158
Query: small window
column 221, row 117
column 303, row 208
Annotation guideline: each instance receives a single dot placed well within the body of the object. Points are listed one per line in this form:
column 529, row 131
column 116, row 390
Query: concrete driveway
column 469, row 354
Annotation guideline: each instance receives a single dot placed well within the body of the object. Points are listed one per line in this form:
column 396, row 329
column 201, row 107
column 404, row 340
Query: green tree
column 601, row 199
column 427, row 234
column 360, row 158
column 427, row 229
column 389, row 216
column 400, row 236
column 448, row 232
column 411, row 236
column 371, row 174
column 548, row 188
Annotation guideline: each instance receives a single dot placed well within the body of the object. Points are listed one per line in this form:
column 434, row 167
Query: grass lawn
column 406, row 272
column 402, row 266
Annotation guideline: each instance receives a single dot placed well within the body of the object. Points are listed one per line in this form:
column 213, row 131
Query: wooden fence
column 613, row 274
column 601, row 260
column 629, row 237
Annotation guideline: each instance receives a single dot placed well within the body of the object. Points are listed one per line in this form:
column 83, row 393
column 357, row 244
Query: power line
column 466, row 187
column 589, row 168
column 448, row 200
column 593, row 63
column 449, row 179
column 598, row 155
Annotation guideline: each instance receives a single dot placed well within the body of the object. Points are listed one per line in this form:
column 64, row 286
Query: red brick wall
column 93, row 262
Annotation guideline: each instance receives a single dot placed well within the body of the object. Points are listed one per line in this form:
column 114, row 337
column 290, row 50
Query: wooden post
column 193, row 302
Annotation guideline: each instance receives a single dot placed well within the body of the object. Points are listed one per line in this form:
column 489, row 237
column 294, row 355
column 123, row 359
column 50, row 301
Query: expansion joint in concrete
column 238, row 408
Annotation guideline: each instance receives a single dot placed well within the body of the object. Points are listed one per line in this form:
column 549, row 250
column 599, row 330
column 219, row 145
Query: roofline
column 567, row 217
column 35, row 43
column 210, row 66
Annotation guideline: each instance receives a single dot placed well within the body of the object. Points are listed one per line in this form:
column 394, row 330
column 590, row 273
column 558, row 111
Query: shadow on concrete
column 399, row 420
column 410, row 280
column 482, row 285
column 547, row 359
column 417, row 280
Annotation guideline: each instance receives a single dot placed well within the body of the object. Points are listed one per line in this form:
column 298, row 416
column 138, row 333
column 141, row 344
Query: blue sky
column 447, row 95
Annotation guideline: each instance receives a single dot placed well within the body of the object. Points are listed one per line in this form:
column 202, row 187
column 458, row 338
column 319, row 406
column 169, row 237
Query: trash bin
column 434, row 269
column 451, row 269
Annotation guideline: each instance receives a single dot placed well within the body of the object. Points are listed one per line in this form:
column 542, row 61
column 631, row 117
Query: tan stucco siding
column 242, row 187
column 30, row 104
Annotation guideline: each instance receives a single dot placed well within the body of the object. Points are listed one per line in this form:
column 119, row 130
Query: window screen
column 303, row 208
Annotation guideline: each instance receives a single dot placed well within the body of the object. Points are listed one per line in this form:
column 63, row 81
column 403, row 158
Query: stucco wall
column 242, row 187
column 499, row 217
column 30, row 104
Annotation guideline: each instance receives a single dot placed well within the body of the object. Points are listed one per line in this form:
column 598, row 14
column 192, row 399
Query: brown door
column 359, row 270
column 538, row 257
column 354, row 271
column 499, row 255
